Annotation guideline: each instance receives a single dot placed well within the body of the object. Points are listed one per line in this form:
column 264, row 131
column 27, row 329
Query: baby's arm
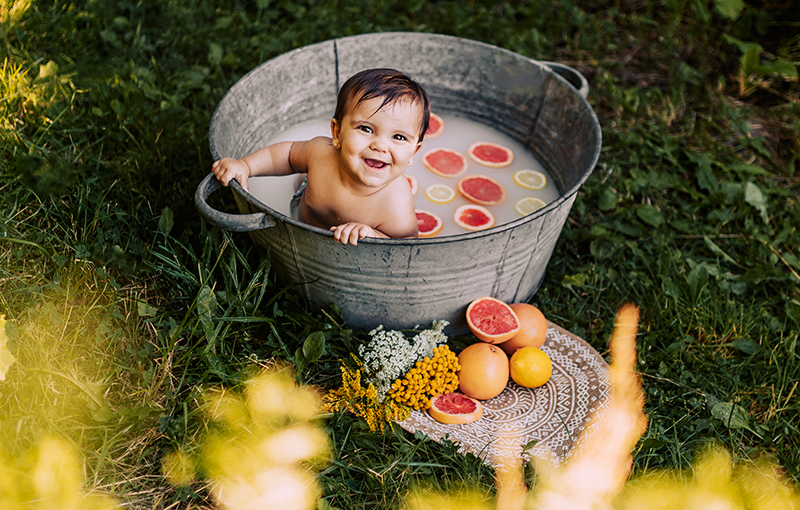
column 399, row 220
column 271, row 160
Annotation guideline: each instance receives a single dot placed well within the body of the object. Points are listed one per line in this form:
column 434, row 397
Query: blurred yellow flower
column 6, row 358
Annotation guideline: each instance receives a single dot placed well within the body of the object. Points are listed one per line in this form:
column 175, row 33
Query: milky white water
column 459, row 134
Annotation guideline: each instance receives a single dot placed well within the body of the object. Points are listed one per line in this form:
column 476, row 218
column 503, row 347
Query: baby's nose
column 379, row 144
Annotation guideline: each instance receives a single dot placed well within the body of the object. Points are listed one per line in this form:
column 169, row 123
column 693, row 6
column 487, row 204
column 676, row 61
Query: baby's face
column 378, row 146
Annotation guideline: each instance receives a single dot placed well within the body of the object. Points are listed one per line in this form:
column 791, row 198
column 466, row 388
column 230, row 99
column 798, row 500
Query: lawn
column 125, row 311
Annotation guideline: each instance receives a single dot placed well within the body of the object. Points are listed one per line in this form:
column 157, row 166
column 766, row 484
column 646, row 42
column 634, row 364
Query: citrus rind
column 462, row 184
column 478, row 211
column 440, row 193
column 442, row 416
column 412, row 181
column 434, row 231
column 530, row 179
column 529, row 205
column 428, row 160
column 473, row 152
column 530, row 367
column 433, row 134
column 491, row 320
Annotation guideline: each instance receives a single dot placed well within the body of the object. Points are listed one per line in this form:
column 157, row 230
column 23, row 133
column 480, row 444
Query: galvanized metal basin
column 401, row 283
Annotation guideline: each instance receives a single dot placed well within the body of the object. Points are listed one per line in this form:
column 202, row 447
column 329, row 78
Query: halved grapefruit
column 412, row 181
column 492, row 320
column 455, row 408
column 482, row 190
column 435, row 127
column 445, row 162
column 473, row 217
column 428, row 224
column 491, row 154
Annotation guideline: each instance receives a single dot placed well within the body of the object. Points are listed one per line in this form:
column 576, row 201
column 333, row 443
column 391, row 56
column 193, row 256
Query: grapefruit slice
column 491, row 154
column 473, row 217
column 492, row 320
column 455, row 408
column 531, row 179
column 529, row 205
column 445, row 162
column 428, row 224
column 440, row 194
column 435, row 127
column 482, row 190
column 412, row 181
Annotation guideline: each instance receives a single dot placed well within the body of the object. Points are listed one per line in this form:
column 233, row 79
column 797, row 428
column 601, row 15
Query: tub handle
column 573, row 77
column 232, row 222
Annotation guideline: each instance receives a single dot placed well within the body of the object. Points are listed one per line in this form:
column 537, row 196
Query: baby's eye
column 365, row 129
column 400, row 137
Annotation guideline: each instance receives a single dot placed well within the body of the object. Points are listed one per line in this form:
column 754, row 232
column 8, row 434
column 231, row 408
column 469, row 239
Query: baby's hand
column 227, row 169
column 351, row 232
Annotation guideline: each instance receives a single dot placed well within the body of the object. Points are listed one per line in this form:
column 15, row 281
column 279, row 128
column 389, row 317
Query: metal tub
column 401, row 283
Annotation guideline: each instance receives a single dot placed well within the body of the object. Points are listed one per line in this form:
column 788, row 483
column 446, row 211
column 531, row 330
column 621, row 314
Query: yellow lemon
column 531, row 179
column 529, row 204
column 440, row 193
column 530, row 367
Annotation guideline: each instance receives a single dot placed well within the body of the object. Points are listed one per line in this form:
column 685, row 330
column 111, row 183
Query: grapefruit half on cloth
column 428, row 224
column 491, row 154
column 473, row 217
column 435, row 126
column 492, row 320
column 445, row 162
column 455, row 408
column 482, row 190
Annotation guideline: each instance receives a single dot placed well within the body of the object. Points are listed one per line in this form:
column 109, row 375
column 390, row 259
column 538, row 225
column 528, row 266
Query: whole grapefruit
column 532, row 331
column 484, row 371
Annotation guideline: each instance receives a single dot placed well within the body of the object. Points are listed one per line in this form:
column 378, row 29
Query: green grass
column 123, row 305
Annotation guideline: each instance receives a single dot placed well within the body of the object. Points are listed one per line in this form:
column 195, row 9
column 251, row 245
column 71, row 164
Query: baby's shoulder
column 311, row 152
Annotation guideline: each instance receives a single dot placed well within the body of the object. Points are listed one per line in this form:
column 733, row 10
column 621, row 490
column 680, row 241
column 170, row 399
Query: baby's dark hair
column 389, row 84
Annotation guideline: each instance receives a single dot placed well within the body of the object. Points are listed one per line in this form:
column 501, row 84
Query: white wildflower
column 389, row 354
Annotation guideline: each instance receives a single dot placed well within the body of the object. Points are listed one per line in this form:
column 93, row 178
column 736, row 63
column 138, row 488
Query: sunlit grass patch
column 79, row 375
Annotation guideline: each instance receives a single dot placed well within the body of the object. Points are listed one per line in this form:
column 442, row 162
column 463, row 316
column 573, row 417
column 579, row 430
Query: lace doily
column 552, row 416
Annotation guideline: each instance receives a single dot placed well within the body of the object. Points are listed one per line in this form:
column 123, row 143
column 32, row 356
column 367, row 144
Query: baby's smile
column 375, row 164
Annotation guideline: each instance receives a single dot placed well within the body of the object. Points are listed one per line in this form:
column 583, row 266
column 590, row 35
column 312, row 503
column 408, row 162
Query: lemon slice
column 529, row 204
column 440, row 193
column 531, row 179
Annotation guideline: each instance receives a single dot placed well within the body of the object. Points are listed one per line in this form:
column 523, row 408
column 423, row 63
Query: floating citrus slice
column 412, row 181
column 445, row 162
column 529, row 205
column 428, row 224
column 440, row 193
column 531, row 179
column 435, row 127
column 473, row 217
column 491, row 154
column 482, row 190
column 455, row 408
column 492, row 320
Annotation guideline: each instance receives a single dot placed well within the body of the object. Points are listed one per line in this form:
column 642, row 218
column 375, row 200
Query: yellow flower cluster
column 351, row 396
column 431, row 376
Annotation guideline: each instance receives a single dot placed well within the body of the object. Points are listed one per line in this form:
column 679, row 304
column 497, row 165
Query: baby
column 356, row 186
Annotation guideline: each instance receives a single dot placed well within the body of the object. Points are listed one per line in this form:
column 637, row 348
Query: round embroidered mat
column 552, row 416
